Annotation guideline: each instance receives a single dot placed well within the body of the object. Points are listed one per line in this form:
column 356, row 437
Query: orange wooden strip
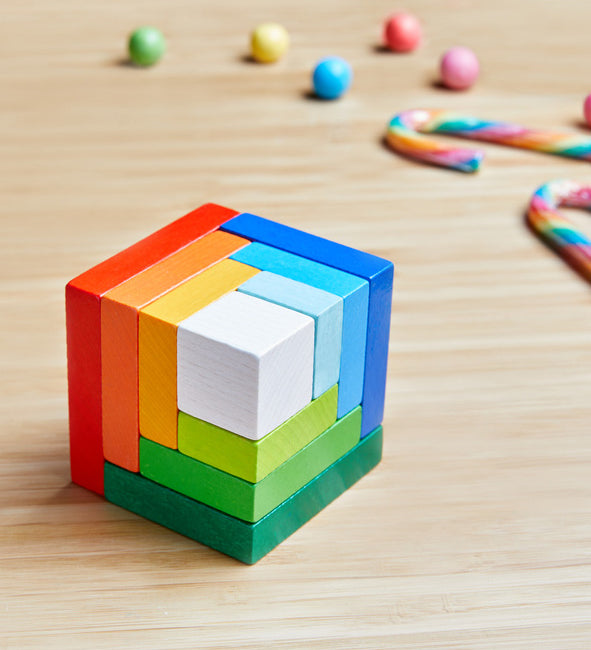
column 119, row 338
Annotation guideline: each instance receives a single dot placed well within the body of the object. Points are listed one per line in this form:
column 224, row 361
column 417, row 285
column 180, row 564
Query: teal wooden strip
column 355, row 294
column 325, row 308
column 237, row 497
column 245, row 542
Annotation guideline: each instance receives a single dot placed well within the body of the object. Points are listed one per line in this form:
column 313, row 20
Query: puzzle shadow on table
column 227, row 377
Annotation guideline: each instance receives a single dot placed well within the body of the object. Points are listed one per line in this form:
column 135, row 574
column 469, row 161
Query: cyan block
column 355, row 294
column 377, row 271
column 325, row 308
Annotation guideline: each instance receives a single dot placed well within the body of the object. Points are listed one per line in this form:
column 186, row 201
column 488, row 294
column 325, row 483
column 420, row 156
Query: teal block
column 243, row 541
column 355, row 294
column 325, row 308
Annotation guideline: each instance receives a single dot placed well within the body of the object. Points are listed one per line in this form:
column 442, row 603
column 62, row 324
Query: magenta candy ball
column 402, row 32
column 587, row 109
column 459, row 68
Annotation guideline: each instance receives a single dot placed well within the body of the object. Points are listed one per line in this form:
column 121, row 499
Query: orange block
column 119, row 338
column 158, row 326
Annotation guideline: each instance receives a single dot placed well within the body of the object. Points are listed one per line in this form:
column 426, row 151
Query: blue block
column 355, row 294
column 377, row 271
column 325, row 308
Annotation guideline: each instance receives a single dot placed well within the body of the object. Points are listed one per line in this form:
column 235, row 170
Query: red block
column 83, row 324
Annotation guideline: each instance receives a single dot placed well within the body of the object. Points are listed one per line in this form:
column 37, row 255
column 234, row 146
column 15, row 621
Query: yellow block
column 158, row 323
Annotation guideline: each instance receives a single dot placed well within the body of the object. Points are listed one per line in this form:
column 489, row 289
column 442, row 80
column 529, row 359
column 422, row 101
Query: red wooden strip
column 83, row 323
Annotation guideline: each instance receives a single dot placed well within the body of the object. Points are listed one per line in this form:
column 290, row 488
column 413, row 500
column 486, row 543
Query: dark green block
column 237, row 497
column 246, row 542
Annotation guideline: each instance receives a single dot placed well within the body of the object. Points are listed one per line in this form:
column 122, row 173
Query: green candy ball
column 146, row 46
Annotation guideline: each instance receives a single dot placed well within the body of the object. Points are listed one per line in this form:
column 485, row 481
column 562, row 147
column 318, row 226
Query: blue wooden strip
column 354, row 292
column 325, row 308
column 377, row 271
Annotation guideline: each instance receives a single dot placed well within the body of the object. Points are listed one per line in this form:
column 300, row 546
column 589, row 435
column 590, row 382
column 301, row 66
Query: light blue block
column 377, row 271
column 355, row 294
column 325, row 308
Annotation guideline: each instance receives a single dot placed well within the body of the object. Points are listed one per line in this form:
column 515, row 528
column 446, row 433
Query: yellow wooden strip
column 158, row 324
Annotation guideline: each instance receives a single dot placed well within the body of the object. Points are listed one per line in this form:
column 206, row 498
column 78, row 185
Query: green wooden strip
column 252, row 460
column 314, row 497
column 245, row 542
column 237, row 497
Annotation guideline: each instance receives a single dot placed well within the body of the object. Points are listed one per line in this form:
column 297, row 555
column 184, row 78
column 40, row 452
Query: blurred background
column 474, row 531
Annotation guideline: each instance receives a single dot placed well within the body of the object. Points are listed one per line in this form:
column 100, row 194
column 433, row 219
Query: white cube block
column 245, row 364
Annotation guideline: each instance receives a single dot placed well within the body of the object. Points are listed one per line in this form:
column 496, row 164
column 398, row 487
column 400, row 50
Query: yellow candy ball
column 269, row 42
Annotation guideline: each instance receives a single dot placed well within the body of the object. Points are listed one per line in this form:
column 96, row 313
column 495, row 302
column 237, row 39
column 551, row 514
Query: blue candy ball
column 332, row 77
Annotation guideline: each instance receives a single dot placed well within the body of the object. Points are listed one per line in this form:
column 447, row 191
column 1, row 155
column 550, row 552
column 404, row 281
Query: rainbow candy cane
column 557, row 231
column 405, row 128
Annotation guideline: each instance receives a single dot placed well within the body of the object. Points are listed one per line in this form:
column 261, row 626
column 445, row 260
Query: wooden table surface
column 475, row 531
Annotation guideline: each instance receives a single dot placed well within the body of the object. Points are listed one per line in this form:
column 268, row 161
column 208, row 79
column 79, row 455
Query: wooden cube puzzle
column 227, row 376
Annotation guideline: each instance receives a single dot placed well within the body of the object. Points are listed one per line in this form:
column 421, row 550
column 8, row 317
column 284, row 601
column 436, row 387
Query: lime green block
column 237, row 497
column 252, row 460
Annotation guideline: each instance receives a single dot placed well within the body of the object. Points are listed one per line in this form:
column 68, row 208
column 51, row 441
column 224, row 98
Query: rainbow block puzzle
column 227, row 376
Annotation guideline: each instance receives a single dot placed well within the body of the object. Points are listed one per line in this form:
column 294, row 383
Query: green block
column 237, row 497
column 252, row 460
column 245, row 542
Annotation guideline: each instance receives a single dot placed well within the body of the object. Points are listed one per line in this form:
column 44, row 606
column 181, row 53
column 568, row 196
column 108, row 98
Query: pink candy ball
column 402, row 32
column 459, row 68
column 587, row 109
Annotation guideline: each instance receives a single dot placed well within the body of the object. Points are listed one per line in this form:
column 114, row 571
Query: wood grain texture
column 157, row 355
column 237, row 497
column 252, row 460
column 119, row 339
column 482, row 499
column 325, row 308
column 245, row 364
